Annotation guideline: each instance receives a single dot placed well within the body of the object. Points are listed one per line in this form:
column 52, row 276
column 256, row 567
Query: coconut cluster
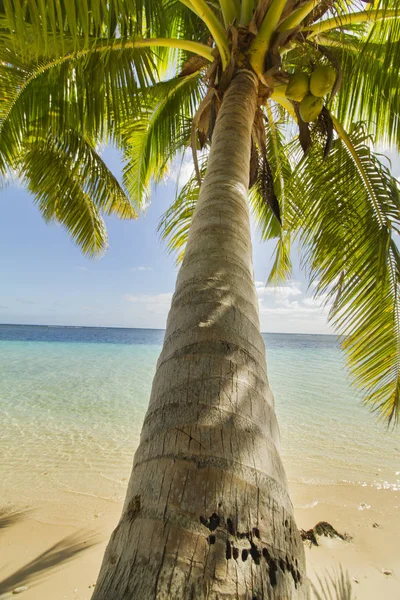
column 309, row 90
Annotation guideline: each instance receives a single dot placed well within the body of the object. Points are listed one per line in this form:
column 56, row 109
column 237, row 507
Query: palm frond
column 161, row 130
column 38, row 26
column 348, row 215
column 370, row 90
column 281, row 269
column 270, row 151
column 367, row 55
column 92, row 93
column 72, row 186
column 175, row 223
column 279, row 150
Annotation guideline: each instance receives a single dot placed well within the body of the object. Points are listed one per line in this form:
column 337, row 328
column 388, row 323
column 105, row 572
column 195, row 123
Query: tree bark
column 207, row 514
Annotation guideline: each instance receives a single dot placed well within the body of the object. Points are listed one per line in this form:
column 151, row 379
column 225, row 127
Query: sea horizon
column 152, row 328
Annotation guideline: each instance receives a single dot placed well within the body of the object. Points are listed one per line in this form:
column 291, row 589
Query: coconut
column 310, row 107
column 322, row 80
column 298, row 86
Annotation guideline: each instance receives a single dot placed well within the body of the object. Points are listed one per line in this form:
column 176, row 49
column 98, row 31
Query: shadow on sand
column 10, row 517
column 54, row 557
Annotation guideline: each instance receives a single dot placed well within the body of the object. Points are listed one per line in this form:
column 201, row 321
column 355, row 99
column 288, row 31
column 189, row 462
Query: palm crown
column 150, row 76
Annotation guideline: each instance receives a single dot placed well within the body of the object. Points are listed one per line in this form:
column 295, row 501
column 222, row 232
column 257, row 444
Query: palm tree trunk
column 207, row 514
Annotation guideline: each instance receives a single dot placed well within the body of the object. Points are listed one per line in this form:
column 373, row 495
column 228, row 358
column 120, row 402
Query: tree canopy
column 149, row 76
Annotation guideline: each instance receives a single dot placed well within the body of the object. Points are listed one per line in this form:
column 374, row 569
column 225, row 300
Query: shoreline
column 72, row 412
column 58, row 560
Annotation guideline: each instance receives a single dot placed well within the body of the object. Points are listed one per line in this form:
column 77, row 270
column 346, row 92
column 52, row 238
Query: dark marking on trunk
column 272, row 577
column 255, row 553
column 282, row 565
column 214, row 522
column 228, row 552
column 256, row 532
column 243, row 535
column 230, row 527
column 235, row 552
column 211, row 539
column 245, row 554
column 272, row 565
column 272, row 572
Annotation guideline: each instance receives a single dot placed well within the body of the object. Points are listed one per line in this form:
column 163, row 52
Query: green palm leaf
column 161, row 130
column 369, row 90
column 348, row 216
column 38, row 26
column 175, row 223
column 88, row 93
column 72, row 186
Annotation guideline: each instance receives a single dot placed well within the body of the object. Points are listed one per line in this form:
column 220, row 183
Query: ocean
column 72, row 401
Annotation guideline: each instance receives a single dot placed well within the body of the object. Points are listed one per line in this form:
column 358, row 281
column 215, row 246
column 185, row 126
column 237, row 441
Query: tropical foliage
column 149, row 76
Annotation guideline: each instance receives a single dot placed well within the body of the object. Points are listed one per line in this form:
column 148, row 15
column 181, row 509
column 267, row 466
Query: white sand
column 69, row 570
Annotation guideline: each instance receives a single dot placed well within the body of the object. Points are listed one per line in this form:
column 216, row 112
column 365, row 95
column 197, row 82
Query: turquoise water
column 72, row 401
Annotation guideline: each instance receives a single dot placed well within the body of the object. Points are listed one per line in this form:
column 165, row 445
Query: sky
column 45, row 280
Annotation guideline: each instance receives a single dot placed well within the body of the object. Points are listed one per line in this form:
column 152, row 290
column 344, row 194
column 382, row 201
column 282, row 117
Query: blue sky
column 46, row 280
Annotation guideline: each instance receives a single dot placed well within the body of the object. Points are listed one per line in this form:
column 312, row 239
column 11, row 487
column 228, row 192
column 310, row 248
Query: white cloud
column 157, row 304
column 286, row 308
column 295, row 310
column 311, row 302
column 295, row 318
column 323, row 300
column 281, row 294
column 279, row 290
column 181, row 170
column 140, row 268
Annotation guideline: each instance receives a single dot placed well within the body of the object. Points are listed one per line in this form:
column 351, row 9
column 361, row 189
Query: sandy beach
column 71, row 415
column 58, row 559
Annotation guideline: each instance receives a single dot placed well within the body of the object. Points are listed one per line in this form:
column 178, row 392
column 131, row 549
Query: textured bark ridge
column 207, row 514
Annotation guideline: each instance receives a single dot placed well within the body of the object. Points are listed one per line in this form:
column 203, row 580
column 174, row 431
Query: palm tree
column 284, row 98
